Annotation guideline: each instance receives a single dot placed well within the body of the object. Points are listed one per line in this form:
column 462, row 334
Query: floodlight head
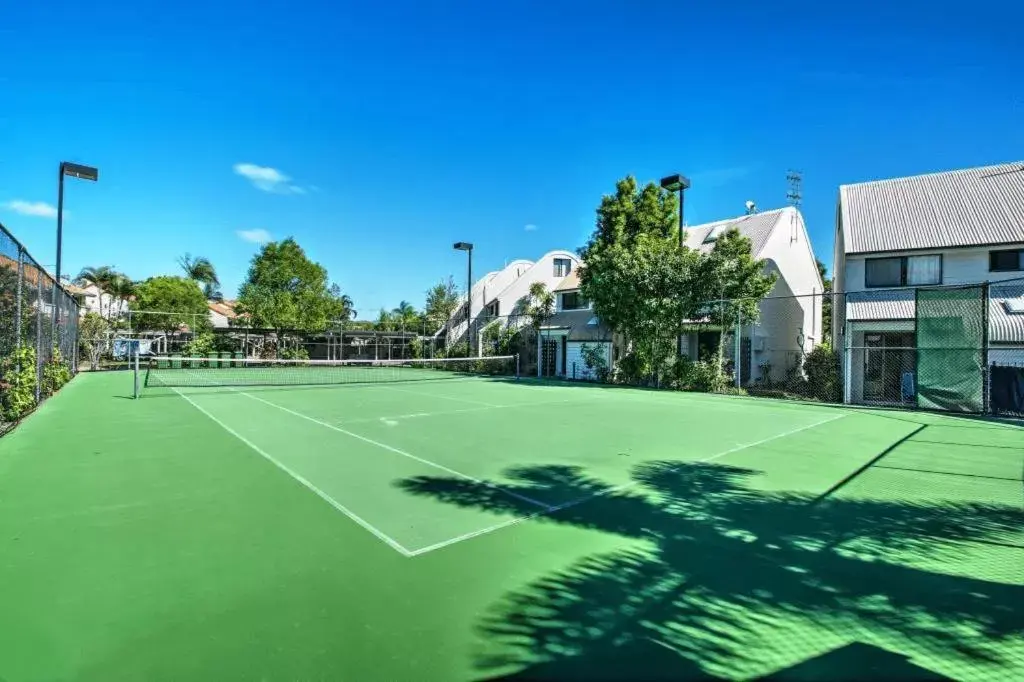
column 77, row 170
column 675, row 183
column 463, row 246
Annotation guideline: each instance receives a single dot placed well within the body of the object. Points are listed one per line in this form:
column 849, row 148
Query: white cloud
column 257, row 236
column 40, row 209
column 530, row 228
column 267, row 179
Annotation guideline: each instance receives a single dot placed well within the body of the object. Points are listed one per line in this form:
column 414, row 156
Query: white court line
column 395, row 450
column 435, row 395
column 442, row 413
column 608, row 491
column 380, row 535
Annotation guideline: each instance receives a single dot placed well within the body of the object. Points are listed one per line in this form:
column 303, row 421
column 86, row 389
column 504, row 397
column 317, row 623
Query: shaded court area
column 478, row 529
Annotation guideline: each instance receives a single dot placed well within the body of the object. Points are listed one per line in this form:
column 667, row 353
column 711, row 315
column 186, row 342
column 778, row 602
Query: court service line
column 395, row 450
column 442, row 413
column 379, row 534
column 436, row 395
column 608, row 491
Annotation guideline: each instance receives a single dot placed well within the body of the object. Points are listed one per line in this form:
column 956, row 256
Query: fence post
column 738, row 343
column 39, row 332
column 847, row 363
column 17, row 320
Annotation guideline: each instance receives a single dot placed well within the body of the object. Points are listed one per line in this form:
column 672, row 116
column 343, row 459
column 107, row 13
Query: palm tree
column 102, row 277
column 405, row 315
column 347, row 311
column 385, row 321
column 202, row 271
column 122, row 289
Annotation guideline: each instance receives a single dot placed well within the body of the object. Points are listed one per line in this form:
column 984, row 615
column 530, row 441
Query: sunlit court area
column 443, row 520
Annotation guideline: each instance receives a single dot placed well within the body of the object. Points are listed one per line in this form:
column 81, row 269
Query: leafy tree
column 17, row 383
column 202, row 271
column 286, row 290
column 385, row 321
column 643, row 283
column 348, row 312
column 92, row 334
column 443, row 299
column 826, row 303
column 179, row 296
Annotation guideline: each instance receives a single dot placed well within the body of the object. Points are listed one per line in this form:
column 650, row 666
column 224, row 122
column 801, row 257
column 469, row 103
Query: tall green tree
column 443, row 300
column 826, row 304
column 201, row 270
column 385, row 321
column 284, row 289
column 169, row 303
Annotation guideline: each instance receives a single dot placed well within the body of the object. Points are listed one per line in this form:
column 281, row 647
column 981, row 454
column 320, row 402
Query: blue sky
column 404, row 126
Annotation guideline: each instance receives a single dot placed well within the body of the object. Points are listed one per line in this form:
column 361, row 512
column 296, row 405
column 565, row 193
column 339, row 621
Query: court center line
column 395, row 450
column 607, row 491
column 379, row 534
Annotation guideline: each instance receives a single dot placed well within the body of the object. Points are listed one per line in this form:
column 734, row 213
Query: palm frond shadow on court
column 727, row 561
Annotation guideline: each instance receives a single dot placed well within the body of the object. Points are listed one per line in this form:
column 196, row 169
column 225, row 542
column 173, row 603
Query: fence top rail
column 25, row 252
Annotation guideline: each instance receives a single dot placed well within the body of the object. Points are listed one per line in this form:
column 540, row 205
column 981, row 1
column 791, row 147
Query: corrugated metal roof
column 757, row 226
column 898, row 304
column 887, row 304
column 973, row 206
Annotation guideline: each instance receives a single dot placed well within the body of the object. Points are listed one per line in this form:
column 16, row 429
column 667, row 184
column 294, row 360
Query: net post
column 517, row 366
column 136, row 375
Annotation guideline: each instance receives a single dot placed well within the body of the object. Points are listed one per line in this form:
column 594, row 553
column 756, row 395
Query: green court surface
column 477, row 529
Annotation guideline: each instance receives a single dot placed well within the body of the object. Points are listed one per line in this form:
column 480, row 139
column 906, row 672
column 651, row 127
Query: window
column 572, row 300
column 1011, row 260
column 713, row 234
column 494, row 309
column 903, row 271
column 562, row 267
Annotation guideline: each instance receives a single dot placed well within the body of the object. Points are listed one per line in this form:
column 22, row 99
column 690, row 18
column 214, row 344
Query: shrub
column 298, row 353
column 823, row 376
column 56, row 373
column 201, row 345
column 594, row 358
column 632, row 369
column 17, row 383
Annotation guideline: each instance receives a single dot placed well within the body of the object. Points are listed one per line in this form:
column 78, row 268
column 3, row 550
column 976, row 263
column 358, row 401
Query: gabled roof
column 757, row 226
column 583, row 325
column 969, row 207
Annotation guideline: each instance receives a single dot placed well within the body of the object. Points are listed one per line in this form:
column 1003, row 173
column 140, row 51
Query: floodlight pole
column 468, row 248
column 678, row 183
column 84, row 173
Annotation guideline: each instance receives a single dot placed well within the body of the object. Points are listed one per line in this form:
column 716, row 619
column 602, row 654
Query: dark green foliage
column 594, row 360
column 823, row 374
column 56, row 373
column 286, row 290
column 17, row 383
column 177, row 295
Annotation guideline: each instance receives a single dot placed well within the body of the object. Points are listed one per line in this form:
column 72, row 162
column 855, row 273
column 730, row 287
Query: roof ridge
column 951, row 171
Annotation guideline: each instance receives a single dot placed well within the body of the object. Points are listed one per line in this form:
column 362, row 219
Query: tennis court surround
column 468, row 527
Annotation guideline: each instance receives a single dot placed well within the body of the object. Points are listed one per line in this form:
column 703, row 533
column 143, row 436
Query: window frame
column 582, row 303
column 1020, row 260
column 562, row 261
column 904, row 268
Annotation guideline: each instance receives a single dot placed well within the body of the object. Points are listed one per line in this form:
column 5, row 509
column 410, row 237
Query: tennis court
column 446, row 522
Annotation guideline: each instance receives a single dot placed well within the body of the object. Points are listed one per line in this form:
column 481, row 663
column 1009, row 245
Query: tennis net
column 175, row 372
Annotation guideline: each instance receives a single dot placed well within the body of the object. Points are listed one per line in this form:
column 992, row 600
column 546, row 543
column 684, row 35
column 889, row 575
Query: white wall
column 91, row 302
column 959, row 266
column 484, row 291
column 573, row 354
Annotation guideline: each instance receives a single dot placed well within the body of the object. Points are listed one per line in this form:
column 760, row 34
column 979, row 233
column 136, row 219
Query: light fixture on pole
column 468, row 248
column 81, row 172
column 678, row 183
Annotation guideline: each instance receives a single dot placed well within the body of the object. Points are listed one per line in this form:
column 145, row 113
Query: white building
column 504, row 293
column 91, row 299
column 790, row 322
column 564, row 335
column 897, row 238
column 222, row 313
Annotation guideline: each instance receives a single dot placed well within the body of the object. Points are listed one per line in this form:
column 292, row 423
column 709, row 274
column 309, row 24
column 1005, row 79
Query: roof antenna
column 793, row 195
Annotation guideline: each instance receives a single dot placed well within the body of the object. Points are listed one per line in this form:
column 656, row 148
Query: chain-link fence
column 38, row 331
column 953, row 348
